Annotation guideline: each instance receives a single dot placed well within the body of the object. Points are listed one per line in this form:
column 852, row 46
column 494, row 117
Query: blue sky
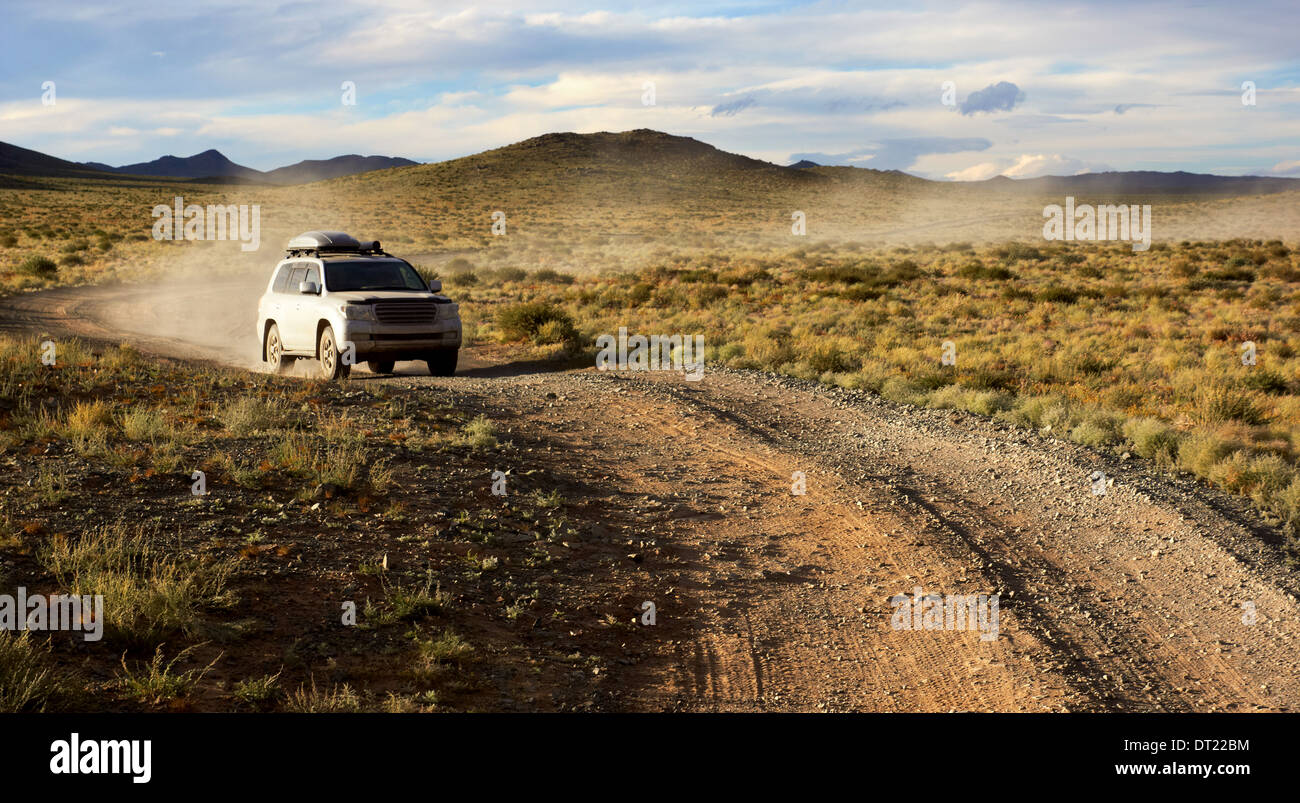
column 1036, row 88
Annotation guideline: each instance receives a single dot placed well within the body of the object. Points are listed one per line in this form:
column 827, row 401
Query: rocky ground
column 1156, row 595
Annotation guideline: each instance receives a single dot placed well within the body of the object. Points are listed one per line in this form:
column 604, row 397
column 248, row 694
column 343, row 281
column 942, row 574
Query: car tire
column 331, row 359
column 380, row 366
column 442, row 363
column 273, row 352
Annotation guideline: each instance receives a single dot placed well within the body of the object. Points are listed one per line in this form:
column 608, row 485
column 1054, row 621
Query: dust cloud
column 204, row 302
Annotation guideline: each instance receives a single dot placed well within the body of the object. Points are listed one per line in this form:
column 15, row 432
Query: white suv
column 341, row 301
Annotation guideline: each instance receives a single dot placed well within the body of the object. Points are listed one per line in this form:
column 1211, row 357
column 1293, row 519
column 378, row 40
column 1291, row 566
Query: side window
column 282, row 278
column 296, row 278
column 313, row 274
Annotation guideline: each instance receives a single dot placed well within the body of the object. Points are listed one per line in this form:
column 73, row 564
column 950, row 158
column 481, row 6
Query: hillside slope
column 25, row 162
column 649, row 185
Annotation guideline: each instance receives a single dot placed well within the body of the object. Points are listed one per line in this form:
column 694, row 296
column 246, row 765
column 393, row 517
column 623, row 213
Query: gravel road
column 1158, row 595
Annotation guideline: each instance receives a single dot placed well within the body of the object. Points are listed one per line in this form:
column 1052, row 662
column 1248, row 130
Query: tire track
column 1125, row 602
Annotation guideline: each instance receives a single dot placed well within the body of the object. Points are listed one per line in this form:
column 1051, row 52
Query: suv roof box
column 319, row 241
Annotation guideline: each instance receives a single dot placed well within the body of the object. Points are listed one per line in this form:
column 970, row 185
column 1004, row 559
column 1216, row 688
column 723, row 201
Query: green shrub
column 988, row 402
column 1152, row 438
column 1056, row 294
column 1221, row 403
column 1014, row 252
column 508, row 274
column 1098, row 429
column 977, row 270
column 38, row 266
column 900, row 390
column 1232, row 273
column 991, row 378
column 525, row 321
column 829, row 357
column 1266, row 381
column 553, row 332
column 1199, row 453
column 552, row 276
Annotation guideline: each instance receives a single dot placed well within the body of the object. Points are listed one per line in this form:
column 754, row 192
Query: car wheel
column 279, row 363
column 380, row 366
column 331, row 360
column 442, row 363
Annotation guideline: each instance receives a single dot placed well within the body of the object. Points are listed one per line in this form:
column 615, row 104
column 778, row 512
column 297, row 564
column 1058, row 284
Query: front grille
column 406, row 312
column 399, row 336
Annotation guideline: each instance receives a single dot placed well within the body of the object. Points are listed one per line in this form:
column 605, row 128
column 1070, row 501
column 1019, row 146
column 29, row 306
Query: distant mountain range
column 652, row 151
column 1120, row 182
column 1148, row 181
column 214, row 164
column 211, row 165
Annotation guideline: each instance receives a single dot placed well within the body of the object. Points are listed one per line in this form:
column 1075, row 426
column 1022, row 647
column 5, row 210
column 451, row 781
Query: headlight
column 358, row 312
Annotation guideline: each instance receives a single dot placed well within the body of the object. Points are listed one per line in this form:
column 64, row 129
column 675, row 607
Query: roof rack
column 321, row 243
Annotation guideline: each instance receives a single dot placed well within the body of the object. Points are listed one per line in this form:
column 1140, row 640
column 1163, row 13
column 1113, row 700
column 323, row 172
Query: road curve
column 1160, row 595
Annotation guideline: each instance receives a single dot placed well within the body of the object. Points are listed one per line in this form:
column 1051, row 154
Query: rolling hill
column 651, row 187
column 642, row 153
column 310, row 170
column 16, row 161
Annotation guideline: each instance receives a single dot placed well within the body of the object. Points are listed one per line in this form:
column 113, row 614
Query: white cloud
column 448, row 79
column 1026, row 165
column 1043, row 164
column 979, row 172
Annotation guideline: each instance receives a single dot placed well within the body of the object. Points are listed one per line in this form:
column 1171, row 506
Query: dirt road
column 1159, row 595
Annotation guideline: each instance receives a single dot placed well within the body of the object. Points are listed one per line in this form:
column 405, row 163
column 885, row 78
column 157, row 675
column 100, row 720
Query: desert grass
column 158, row 681
column 29, row 683
column 1142, row 352
column 309, row 699
column 149, row 592
column 260, row 693
column 250, row 414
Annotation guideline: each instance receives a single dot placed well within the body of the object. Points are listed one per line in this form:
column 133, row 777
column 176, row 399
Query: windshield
column 372, row 274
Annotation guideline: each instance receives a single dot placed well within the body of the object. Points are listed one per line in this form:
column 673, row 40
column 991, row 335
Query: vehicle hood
column 383, row 295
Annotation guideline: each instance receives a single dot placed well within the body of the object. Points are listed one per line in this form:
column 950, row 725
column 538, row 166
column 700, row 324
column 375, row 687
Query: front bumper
column 370, row 338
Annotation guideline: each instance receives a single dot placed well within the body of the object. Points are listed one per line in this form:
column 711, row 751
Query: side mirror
column 435, row 285
column 308, row 288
